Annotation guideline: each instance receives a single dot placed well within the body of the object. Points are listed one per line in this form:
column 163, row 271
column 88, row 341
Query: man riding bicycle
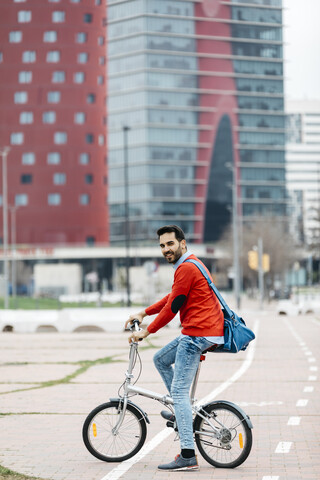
column 202, row 323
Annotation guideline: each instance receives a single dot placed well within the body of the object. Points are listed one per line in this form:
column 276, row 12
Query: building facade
column 303, row 169
column 53, row 118
column 199, row 84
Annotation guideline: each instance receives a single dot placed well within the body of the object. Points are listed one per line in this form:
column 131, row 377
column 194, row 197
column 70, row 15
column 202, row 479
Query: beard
column 173, row 257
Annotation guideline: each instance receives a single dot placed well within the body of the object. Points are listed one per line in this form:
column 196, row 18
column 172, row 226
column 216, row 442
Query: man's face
column 171, row 248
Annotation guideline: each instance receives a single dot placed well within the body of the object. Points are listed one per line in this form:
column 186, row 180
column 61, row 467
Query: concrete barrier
column 69, row 320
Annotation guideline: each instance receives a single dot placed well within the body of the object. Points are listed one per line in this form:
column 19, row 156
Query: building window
column 26, row 118
column 98, row 2
column 19, row 1
column 15, row 37
column 58, row 17
column 25, row 77
column 20, row 97
column 29, row 56
column 49, row 117
column 53, row 158
column 16, row 138
column 84, row 158
column 90, row 241
column 58, row 77
column 88, row 178
column 21, row 199
column 59, row 178
column 100, row 80
column 60, row 138
column 89, row 138
column 81, row 37
column 87, row 18
column 83, row 57
column 50, row 36
column 28, row 158
column 91, row 98
column 102, row 60
column 101, row 139
column 54, row 1
column 75, row 1
column 54, row 199
column 84, row 199
column 53, row 56
column 100, row 40
column 1, row 57
column 79, row 118
column 54, row 97
column 24, row 16
column 26, row 178
column 78, row 77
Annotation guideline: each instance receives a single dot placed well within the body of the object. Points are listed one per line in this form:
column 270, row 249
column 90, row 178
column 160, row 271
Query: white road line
column 312, row 378
column 123, row 467
column 270, row 478
column 303, row 402
column 313, row 368
column 283, row 447
column 308, row 389
column 294, row 421
column 311, row 360
column 308, row 353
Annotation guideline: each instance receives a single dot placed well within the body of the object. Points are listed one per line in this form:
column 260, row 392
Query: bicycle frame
column 164, row 399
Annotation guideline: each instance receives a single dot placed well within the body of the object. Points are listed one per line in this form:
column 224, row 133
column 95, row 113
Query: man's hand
column 136, row 336
column 137, row 316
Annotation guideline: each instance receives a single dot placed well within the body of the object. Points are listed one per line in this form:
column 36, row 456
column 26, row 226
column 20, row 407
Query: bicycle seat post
column 195, row 381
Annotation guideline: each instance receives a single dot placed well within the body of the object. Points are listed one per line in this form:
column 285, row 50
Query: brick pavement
column 41, row 428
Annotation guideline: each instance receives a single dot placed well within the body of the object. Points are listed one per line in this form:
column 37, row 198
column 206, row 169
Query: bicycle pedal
column 172, row 425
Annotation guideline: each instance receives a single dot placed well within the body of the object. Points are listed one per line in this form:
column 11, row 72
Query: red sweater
column 200, row 310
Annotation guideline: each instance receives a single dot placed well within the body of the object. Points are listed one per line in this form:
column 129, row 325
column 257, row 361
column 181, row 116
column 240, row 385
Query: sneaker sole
column 180, row 469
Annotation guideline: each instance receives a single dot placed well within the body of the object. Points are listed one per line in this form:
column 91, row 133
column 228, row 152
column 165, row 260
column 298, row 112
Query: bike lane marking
column 283, row 447
column 123, row 467
column 294, row 421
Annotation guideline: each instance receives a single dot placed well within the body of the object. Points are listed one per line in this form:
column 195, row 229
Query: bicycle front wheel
column 228, row 447
column 106, row 444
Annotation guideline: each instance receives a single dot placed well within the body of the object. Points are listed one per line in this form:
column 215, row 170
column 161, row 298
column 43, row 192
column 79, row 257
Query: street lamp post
column 126, row 206
column 235, row 228
column 4, row 153
column 13, row 210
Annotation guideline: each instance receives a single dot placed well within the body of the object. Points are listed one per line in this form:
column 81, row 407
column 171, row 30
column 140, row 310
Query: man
column 202, row 326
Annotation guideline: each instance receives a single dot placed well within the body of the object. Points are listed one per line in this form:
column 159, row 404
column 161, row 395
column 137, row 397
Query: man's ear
column 184, row 243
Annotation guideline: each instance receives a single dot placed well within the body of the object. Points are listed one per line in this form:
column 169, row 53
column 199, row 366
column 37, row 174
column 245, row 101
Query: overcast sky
column 301, row 31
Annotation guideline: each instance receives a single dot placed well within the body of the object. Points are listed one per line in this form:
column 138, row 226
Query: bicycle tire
column 102, row 443
column 234, row 447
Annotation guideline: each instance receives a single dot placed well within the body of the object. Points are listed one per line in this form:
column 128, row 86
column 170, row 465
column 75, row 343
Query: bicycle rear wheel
column 231, row 447
column 98, row 436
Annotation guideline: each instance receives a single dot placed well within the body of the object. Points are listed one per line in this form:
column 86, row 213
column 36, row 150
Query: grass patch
column 7, row 474
column 30, row 303
column 84, row 366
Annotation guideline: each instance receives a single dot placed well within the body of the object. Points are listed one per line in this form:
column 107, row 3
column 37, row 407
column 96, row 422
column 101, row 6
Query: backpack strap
column 212, row 286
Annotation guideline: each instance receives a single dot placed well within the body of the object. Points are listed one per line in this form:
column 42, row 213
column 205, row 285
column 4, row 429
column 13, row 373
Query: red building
column 53, row 118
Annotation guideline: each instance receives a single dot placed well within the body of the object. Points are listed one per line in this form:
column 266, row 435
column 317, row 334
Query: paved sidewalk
column 50, row 382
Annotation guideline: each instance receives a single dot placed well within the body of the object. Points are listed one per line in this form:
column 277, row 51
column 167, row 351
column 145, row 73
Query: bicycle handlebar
column 135, row 325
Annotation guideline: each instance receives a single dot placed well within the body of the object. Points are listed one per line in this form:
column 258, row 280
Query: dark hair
column 179, row 233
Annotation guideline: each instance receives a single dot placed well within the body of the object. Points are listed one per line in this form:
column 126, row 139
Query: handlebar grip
column 135, row 324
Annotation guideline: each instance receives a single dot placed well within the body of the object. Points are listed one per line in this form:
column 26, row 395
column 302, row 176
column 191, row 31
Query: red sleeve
column 180, row 289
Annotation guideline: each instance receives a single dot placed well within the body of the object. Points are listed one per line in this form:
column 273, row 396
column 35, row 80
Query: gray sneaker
column 180, row 463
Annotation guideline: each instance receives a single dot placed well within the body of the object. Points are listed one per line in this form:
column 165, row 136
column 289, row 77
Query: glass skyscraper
column 200, row 85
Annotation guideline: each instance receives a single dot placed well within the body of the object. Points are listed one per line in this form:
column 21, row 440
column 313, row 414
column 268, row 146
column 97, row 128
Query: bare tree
column 277, row 243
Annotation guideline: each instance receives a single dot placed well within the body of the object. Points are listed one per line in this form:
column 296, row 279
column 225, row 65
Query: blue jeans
column 184, row 352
